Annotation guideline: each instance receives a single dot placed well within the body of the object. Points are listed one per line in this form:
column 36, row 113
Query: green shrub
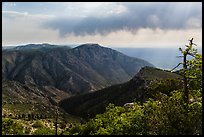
column 44, row 131
column 37, row 124
column 10, row 127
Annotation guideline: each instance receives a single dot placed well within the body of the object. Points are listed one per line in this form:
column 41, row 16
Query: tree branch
column 176, row 67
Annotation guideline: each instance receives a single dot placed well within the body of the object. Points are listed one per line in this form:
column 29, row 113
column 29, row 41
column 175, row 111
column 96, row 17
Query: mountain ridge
column 85, row 68
column 90, row 104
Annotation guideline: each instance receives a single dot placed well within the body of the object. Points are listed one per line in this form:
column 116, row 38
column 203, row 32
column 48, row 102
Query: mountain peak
column 89, row 45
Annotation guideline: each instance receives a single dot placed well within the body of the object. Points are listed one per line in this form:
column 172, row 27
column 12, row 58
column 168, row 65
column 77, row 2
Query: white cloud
column 93, row 9
column 15, row 14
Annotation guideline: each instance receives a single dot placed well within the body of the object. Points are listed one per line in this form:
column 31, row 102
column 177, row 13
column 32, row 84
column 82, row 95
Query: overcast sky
column 132, row 24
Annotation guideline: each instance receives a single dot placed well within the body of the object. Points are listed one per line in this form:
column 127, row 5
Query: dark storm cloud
column 137, row 15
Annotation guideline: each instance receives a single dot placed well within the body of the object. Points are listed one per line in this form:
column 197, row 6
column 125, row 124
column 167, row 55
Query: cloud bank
column 131, row 17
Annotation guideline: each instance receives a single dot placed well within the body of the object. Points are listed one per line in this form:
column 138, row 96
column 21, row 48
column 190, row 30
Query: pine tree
column 191, row 52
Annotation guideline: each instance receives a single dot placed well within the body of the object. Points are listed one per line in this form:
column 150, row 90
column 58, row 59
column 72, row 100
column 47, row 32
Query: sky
column 113, row 24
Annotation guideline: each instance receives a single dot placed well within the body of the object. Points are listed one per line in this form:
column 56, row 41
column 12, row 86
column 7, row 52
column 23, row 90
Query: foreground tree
column 187, row 66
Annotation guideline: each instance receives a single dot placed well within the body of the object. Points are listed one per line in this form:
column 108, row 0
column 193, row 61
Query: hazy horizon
column 109, row 46
column 123, row 24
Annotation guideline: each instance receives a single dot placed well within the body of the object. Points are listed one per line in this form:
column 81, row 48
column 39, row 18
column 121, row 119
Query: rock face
column 86, row 68
column 91, row 104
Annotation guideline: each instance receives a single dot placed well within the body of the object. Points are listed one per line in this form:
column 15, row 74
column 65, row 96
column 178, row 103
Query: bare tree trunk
column 185, row 79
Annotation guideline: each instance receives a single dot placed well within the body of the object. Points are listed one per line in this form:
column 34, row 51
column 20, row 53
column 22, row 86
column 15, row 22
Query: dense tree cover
column 158, row 88
column 167, row 114
column 165, row 117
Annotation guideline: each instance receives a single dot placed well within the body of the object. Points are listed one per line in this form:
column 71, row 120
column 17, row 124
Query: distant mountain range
column 77, row 70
